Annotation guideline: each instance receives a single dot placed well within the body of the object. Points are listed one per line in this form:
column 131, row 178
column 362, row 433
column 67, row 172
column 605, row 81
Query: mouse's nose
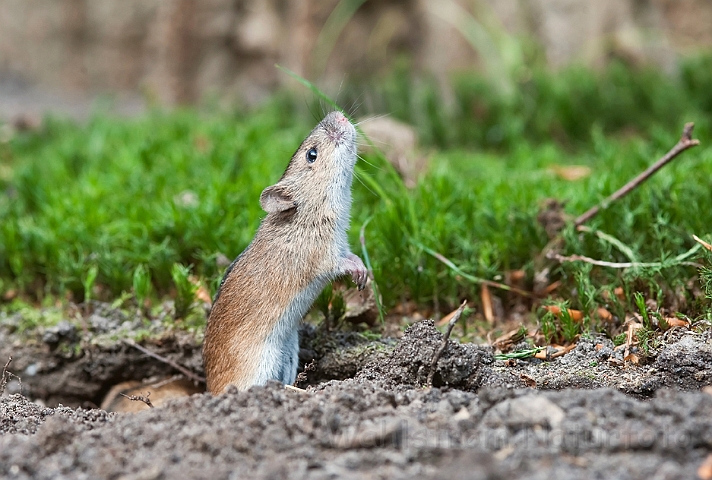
column 341, row 118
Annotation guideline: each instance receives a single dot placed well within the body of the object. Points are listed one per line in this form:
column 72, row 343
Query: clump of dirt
column 337, row 355
column 460, row 366
column 687, row 363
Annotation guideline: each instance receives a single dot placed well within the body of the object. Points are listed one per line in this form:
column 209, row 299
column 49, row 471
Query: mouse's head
column 320, row 172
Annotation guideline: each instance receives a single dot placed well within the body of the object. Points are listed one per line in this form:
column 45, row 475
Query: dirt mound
column 461, row 366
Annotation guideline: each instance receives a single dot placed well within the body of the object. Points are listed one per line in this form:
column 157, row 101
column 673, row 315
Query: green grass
column 115, row 204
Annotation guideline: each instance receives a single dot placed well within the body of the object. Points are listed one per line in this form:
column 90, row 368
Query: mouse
column 301, row 245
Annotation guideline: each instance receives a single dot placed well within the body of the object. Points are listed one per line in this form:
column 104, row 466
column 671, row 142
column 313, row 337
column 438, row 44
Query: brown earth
column 589, row 414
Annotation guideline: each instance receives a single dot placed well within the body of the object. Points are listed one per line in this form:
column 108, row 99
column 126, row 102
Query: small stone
column 526, row 411
column 463, row 414
column 604, row 353
column 62, row 331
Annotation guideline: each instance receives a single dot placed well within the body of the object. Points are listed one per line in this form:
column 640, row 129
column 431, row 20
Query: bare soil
column 366, row 411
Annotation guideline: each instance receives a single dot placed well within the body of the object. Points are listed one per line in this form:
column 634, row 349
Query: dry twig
column 552, row 249
column 439, row 351
column 3, row 379
column 685, row 142
column 702, row 242
column 296, row 389
column 6, row 376
column 302, row 376
column 139, row 398
column 167, row 361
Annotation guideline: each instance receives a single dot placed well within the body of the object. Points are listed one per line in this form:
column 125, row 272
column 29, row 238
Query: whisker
column 357, row 175
column 380, row 169
column 355, row 105
column 338, row 92
column 373, row 117
column 366, row 144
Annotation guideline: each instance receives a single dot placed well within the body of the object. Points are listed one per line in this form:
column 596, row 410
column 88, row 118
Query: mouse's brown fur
column 157, row 392
column 301, row 245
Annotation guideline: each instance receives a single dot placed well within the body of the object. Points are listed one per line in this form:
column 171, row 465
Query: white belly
column 280, row 355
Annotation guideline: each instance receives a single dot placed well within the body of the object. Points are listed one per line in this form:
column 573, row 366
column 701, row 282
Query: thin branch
column 685, row 142
column 139, row 398
column 702, row 242
column 167, row 361
column 440, row 350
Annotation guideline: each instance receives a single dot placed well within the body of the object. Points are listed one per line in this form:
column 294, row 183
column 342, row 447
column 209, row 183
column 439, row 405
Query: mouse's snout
column 336, row 118
column 338, row 128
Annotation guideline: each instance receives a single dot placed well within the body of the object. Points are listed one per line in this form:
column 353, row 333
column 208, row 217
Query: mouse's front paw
column 353, row 266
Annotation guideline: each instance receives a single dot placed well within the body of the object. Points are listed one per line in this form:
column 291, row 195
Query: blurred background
column 62, row 54
column 488, row 109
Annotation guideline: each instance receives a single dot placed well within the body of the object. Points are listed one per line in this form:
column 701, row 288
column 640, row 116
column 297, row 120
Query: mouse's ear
column 276, row 199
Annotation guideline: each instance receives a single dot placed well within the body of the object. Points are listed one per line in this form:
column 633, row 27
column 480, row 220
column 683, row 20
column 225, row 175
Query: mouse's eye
column 311, row 155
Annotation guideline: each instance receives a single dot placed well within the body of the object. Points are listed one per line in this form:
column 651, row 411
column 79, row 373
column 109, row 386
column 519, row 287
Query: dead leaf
column 447, row 318
column 516, row 276
column 618, row 291
column 563, row 351
column 702, row 242
column 487, row 304
column 632, row 358
column 677, row 322
column 201, row 294
column 551, row 287
column 361, row 305
column 707, row 390
column 571, row 173
column 631, row 338
column 508, row 340
column 542, row 354
column 604, row 314
column 530, row 382
column 576, row 315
